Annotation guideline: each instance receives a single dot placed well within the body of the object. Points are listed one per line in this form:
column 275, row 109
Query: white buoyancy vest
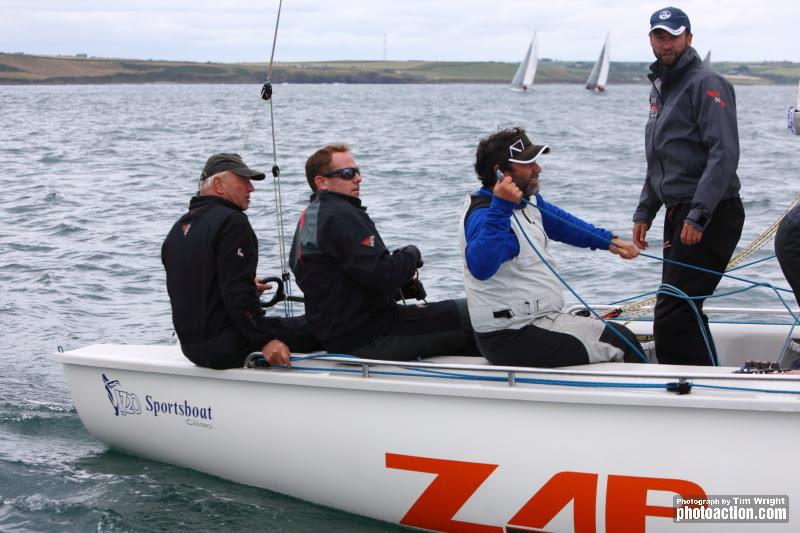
column 523, row 288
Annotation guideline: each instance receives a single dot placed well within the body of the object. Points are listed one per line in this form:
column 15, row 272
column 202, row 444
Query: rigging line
column 643, row 254
column 757, row 261
column 269, row 78
column 431, row 373
column 638, row 352
column 637, row 309
column 266, row 94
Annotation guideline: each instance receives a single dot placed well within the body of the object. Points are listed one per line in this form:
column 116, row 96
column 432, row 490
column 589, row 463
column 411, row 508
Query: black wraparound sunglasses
column 347, row 173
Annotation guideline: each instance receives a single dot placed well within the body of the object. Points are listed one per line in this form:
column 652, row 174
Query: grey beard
column 530, row 190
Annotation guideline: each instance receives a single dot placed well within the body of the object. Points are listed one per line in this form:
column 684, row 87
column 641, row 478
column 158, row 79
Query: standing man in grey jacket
column 692, row 148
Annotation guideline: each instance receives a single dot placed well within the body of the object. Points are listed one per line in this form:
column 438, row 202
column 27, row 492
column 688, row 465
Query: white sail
column 527, row 68
column 797, row 104
column 794, row 114
column 599, row 75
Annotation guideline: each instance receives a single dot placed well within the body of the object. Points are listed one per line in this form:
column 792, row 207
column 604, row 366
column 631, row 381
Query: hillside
column 29, row 69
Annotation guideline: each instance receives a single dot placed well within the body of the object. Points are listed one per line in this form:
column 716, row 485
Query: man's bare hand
column 624, row 249
column 277, row 353
column 639, row 235
column 690, row 235
column 261, row 287
column 507, row 190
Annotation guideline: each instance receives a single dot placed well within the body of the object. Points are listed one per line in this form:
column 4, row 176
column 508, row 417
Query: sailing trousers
column 229, row 349
column 536, row 346
column 678, row 336
column 787, row 249
column 438, row 328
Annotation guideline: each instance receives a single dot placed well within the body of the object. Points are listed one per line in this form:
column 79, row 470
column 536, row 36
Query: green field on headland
column 30, row 69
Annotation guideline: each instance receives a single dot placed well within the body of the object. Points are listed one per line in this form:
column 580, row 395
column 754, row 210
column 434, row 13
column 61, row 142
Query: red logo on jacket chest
column 717, row 97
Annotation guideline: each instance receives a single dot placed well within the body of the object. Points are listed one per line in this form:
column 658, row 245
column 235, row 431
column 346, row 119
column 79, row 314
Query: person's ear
column 219, row 186
column 320, row 182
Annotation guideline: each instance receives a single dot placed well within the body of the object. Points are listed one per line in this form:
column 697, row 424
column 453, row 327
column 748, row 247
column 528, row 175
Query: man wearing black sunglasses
column 350, row 279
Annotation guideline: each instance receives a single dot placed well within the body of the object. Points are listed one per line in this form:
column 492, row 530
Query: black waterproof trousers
column 787, row 248
column 229, row 349
column 539, row 347
column 679, row 337
column 438, row 328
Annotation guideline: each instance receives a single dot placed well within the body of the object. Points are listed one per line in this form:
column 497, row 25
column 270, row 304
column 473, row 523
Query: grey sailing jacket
column 691, row 141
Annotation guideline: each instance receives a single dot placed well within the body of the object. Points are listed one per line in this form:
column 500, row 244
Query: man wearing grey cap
column 692, row 150
column 210, row 256
column 514, row 294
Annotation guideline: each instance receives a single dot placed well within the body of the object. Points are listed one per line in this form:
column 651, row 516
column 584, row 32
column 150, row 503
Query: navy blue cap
column 670, row 19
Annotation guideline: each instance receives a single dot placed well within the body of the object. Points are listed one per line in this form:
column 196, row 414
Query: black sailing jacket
column 347, row 275
column 210, row 256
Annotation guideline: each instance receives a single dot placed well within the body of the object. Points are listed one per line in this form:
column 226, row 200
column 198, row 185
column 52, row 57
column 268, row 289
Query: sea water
column 92, row 178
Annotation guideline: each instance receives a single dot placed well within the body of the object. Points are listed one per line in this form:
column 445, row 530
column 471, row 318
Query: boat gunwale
column 618, row 395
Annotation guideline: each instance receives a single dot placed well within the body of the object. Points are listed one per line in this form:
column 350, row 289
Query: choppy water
column 94, row 176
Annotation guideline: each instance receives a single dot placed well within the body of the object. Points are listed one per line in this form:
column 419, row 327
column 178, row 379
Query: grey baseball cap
column 221, row 162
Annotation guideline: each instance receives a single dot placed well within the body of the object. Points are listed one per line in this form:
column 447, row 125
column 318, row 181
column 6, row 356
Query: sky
column 435, row 30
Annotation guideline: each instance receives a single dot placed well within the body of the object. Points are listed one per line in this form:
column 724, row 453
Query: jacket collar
column 688, row 58
column 330, row 194
column 208, row 199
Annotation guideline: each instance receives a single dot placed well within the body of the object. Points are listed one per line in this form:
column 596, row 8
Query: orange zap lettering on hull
column 561, row 489
column 626, row 500
column 456, row 481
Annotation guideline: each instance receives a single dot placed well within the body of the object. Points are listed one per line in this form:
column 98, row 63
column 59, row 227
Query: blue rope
column 452, row 375
column 751, row 263
column 655, row 257
column 747, row 389
column 753, row 284
column 427, row 372
column 642, row 356
column 671, row 290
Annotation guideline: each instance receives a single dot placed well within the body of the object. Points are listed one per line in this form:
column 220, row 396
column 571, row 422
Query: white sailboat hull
column 543, row 456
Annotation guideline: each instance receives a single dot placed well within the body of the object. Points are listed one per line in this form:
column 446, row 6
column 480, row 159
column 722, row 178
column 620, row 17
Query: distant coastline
column 17, row 68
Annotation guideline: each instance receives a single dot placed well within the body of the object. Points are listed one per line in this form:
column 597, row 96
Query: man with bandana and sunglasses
column 515, row 299
column 351, row 281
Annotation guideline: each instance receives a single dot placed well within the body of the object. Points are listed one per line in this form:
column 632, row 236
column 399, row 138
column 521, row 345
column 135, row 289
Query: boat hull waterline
column 443, row 454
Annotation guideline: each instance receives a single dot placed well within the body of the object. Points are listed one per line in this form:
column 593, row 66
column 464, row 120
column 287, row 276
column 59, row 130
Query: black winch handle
column 280, row 293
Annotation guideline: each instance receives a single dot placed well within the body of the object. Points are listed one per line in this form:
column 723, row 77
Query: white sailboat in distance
column 599, row 75
column 794, row 114
column 526, row 71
